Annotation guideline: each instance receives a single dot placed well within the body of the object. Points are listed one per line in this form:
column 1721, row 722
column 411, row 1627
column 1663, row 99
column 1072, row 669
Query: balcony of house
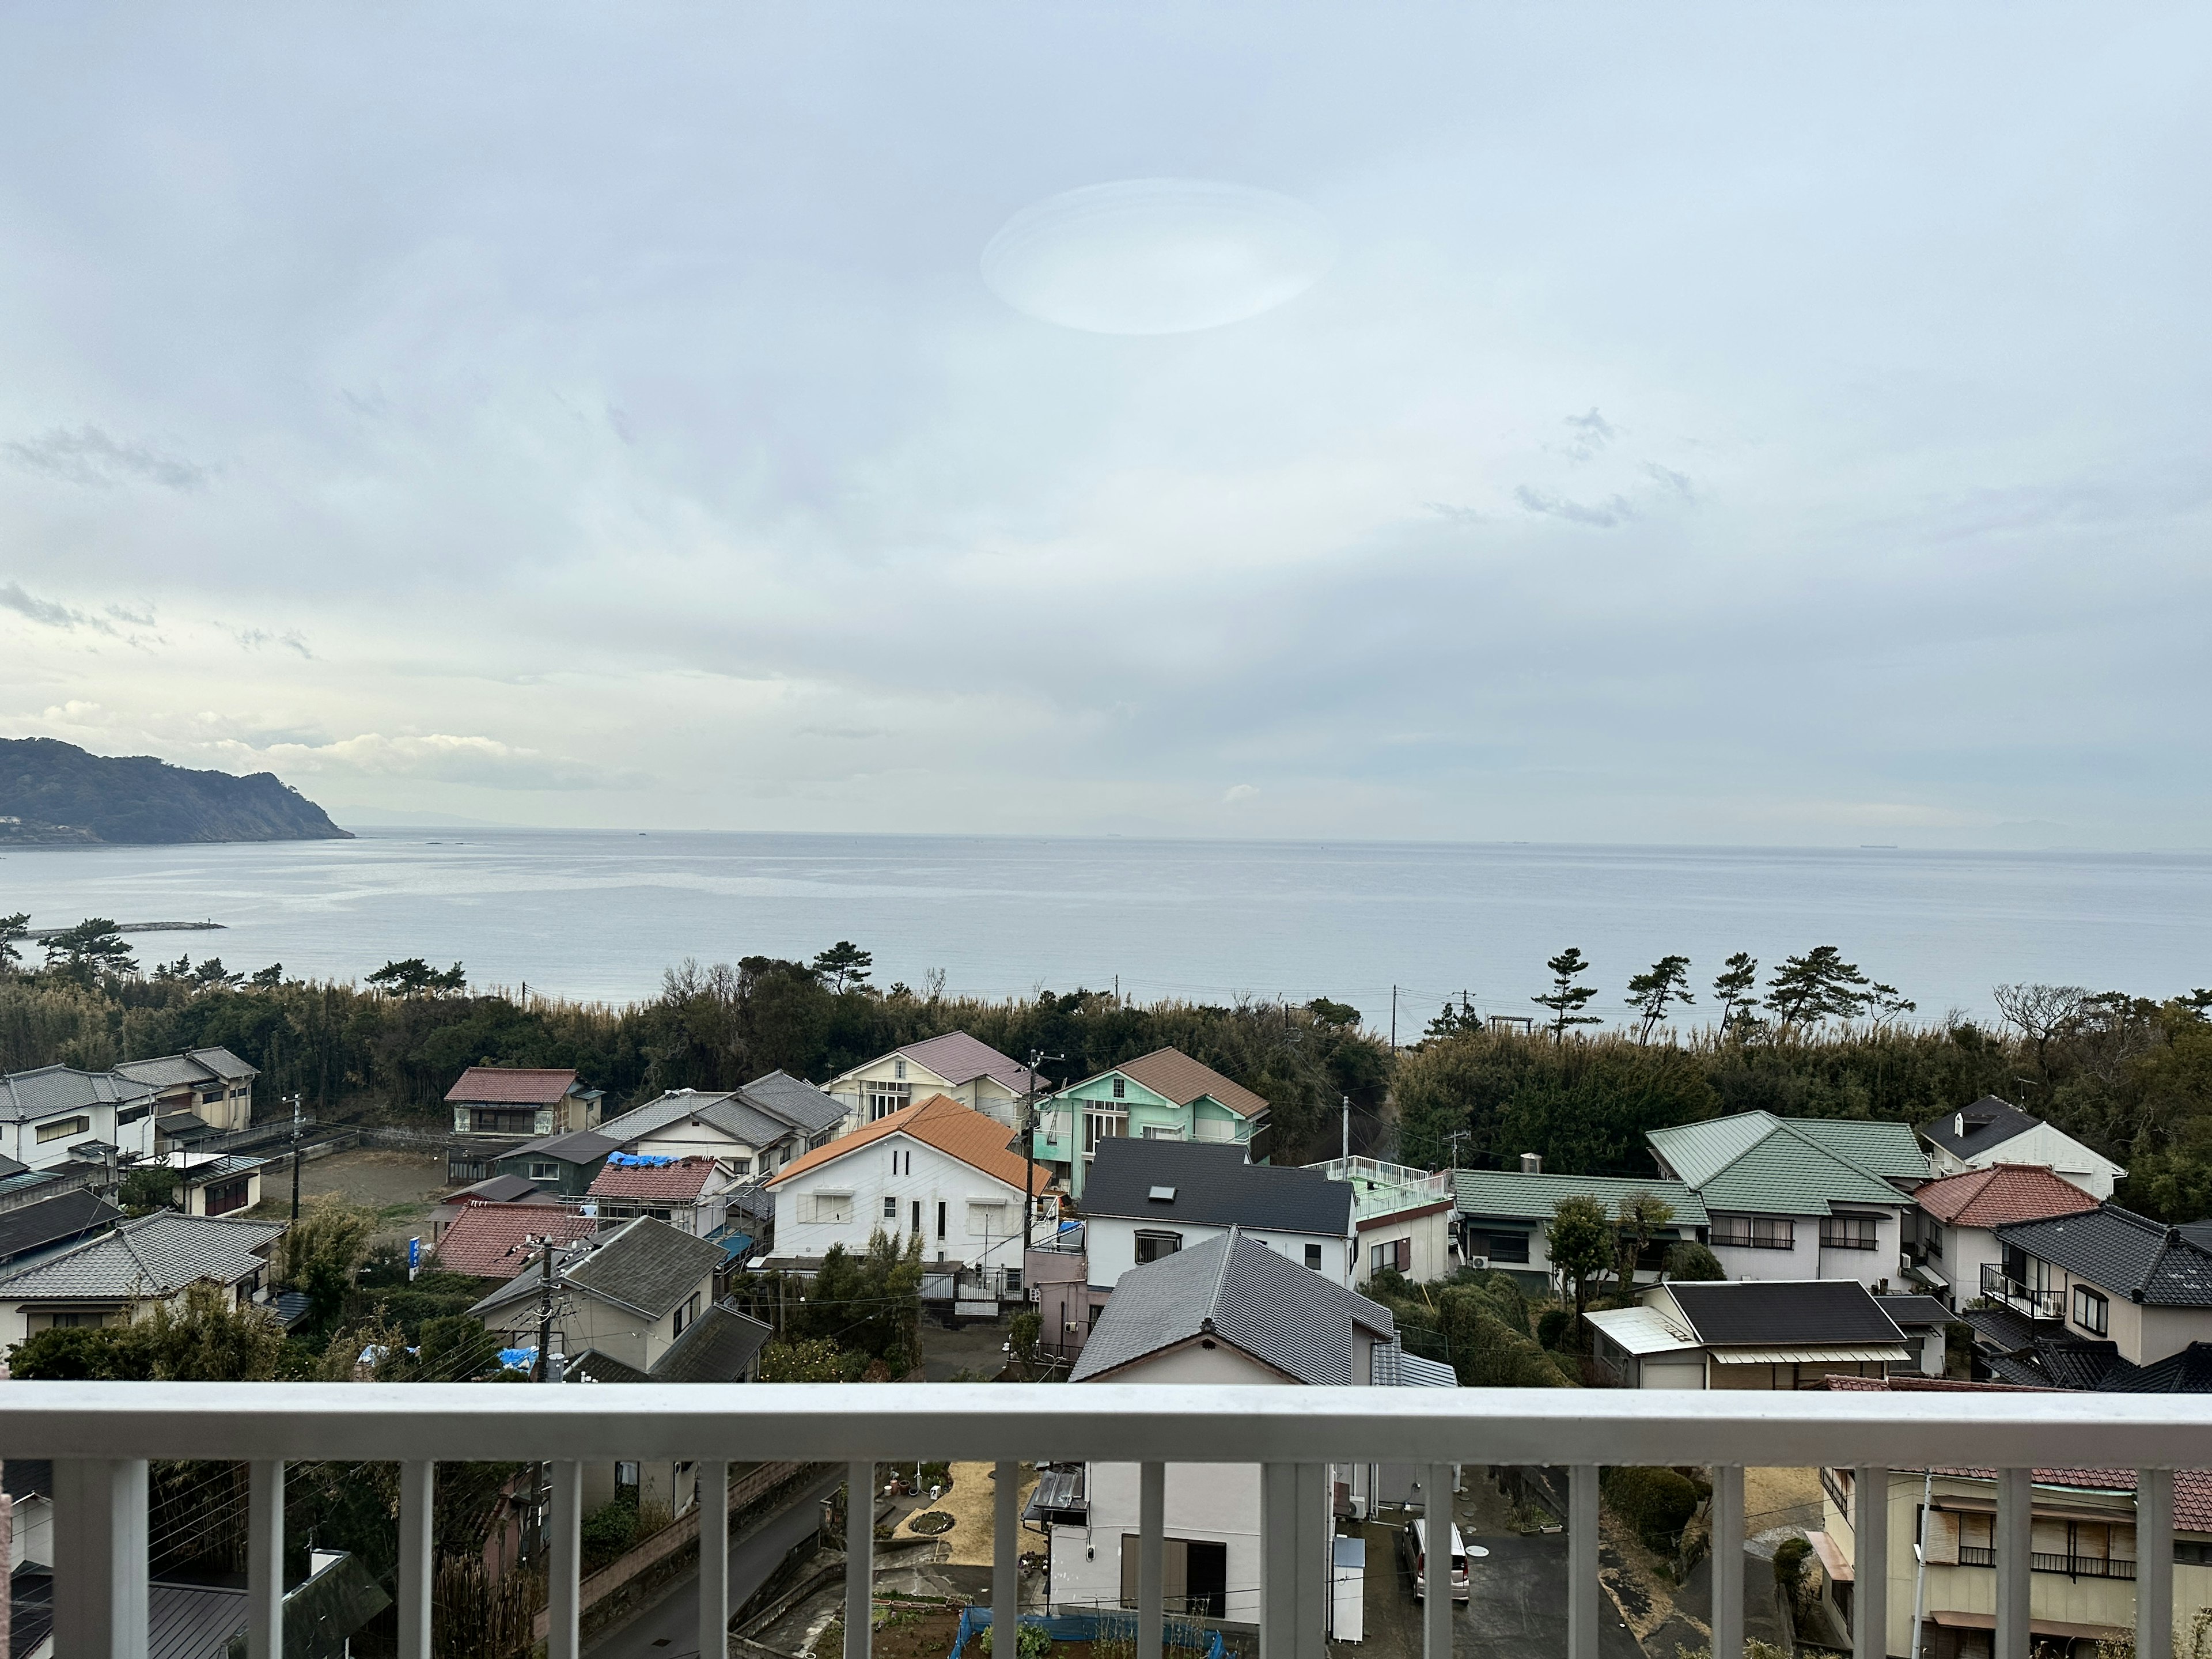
column 2000, row 1286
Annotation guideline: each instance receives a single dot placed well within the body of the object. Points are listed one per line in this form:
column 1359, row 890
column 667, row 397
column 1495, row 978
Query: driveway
column 1517, row 1606
column 669, row 1629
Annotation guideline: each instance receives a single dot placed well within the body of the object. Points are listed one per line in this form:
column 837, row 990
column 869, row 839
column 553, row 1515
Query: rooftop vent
column 1162, row 1195
column 1959, row 1126
column 1531, row 1163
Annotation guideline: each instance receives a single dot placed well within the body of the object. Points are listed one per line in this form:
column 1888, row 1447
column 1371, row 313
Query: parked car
column 1413, row 1549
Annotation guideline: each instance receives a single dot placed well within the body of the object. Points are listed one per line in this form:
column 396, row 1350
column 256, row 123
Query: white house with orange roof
column 937, row 1170
column 961, row 1068
column 1955, row 1243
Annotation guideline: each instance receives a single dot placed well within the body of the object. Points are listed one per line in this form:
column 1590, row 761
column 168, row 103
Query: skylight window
column 1162, row 1195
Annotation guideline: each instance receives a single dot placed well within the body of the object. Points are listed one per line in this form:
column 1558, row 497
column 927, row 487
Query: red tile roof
column 511, row 1085
column 679, row 1182
column 943, row 1122
column 2002, row 1194
column 491, row 1241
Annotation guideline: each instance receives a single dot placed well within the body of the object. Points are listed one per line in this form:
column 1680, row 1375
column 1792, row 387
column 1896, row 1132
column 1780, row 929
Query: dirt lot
column 400, row 1187
column 971, row 1503
column 978, row 1350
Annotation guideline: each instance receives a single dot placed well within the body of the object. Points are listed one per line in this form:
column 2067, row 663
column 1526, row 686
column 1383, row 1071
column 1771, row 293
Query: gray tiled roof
column 796, row 1099
column 646, row 1265
column 2143, row 1260
column 1509, row 1195
column 54, row 1222
column 1784, row 1313
column 732, row 1114
column 1234, row 1288
column 1908, row 1311
column 2189, row 1371
column 572, row 1146
column 1212, row 1186
column 1973, row 1130
column 54, row 1088
column 715, row 1347
column 153, row 1256
column 194, row 1066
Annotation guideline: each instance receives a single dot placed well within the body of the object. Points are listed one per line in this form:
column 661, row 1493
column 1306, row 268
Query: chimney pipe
column 1531, row 1163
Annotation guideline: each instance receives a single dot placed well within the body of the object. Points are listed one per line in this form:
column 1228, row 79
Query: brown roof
column 491, row 1241
column 943, row 1122
column 681, row 1182
column 511, row 1085
column 1171, row 1072
column 958, row 1058
column 2000, row 1194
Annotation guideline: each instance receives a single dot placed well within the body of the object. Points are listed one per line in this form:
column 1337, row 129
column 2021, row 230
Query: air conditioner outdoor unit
column 1068, row 1328
column 1478, row 1262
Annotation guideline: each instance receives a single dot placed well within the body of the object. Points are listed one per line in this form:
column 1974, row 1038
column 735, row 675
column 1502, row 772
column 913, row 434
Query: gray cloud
column 88, row 456
column 254, row 639
column 13, row 598
column 1592, row 433
column 1614, row 511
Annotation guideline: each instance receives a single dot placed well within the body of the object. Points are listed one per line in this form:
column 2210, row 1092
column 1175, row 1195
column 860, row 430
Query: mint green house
column 1163, row 1096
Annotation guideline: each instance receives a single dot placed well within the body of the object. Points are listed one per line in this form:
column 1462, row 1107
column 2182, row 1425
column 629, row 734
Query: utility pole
column 295, row 1160
column 544, row 1366
column 1393, row 1019
column 1037, row 1057
column 1347, row 1137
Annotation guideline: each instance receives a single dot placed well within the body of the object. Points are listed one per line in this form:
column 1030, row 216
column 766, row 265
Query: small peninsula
column 56, row 794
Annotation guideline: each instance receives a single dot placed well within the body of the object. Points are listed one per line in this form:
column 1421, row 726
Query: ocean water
column 599, row 915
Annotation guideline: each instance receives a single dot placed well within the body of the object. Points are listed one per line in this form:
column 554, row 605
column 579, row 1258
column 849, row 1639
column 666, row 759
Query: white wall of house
column 1111, row 1241
column 686, row 1138
column 2067, row 1158
column 63, row 1130
column 1966, row 1250
column 890, row 1185
column 589, row 1322
column 1808, row 1258
column 867, row 1089
column 1428, row 1239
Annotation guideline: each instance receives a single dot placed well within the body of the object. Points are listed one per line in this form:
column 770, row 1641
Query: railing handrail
column 987, row 1422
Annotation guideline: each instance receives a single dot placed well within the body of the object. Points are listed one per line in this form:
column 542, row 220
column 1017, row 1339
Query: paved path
column 669, row 1629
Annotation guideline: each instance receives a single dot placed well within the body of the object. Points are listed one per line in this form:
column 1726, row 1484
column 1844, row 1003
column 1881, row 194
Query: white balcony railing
column 2037, row 1304
column 101, row 1434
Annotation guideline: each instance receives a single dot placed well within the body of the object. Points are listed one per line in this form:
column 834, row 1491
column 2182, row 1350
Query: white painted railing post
column 1585, row 1595
column 1727, row 1562
column 713, row 1560
column 860, row 1558
column 417, row 1487
column 2154, row 1562
column 2014, row 1536
column 1294, row 1570
column 265, row 1561
column 1870, row 1558
column 1005, row 1556
column 1151, row 1550
column 99, row 1558
column 564, row 1634
column 1436, row 1577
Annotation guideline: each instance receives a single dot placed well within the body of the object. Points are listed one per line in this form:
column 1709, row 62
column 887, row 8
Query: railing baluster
column 417, row 1486
column 2154, row 1562
column 564, row 1572
column 859, row 1557
column 1727, row 1562
column 265, row 1561
column 1436, row 1577
column 713, row 1560
column 1152, row 1530
column 1278, row 1561
column 1870, row 1554
column 99, row 1558
column 1585, row 1596
column 1005, row 1557
column 2015, row 1531
column 1316, row 1527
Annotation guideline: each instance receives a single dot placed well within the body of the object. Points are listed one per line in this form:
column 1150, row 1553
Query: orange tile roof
column 489, row 1241
column 941, row 1122
column 2002, row 1194
column 511, row 1085
column 680, row 1181
column 1171, row 1072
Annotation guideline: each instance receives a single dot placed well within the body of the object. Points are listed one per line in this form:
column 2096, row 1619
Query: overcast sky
column 1763, row 423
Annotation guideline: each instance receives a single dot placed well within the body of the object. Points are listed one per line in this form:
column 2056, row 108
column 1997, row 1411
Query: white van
column 1413, row 1546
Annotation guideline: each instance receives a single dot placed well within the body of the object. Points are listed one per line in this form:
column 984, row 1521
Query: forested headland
column 2128, row 1075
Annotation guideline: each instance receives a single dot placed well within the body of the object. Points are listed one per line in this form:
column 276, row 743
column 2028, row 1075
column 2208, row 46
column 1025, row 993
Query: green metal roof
column 1889, row 1149
column 1509, row 1195
column 1764, row 1164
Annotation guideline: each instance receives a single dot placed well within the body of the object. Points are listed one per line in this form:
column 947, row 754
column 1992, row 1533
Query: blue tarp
column 1086, row 1627
column 640, row 1160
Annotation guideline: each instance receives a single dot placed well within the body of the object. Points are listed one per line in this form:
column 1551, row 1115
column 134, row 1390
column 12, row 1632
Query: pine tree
column 1649, row 992
column 1566, row 998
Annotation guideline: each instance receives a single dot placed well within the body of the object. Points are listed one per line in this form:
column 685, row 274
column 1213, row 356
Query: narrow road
column 670, row 1628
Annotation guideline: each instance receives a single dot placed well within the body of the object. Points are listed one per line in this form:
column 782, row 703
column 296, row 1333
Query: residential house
column 1163, row 1096
column 120, row 1275
column 34, row 1231
column 956, row 1065
column 1502, row 1214
column 55, row 1114
column 688, row 1193
column 500, row 1189
column 513, row 1103
column 1227, row 1312
column 211, row 1085
column 1993, row 1131
column 750, row 1138
column 1798, row 1198
column 1951, row 1241
column 1926, row 1323
column 2081, row 1585
column 2081, row 1301
column 1759, row 1334
column 721, row 1346
column 629, row 1292
column 815, row 1114
column 1402, row 1219
column 1150, row 1198
column 563, row 1165
column 219, row 1184
column 498, row 1241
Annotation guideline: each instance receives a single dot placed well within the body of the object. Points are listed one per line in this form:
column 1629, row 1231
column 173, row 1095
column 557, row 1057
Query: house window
column 986, row 1218
column 1102, row 1126
column 687, row 1313
column 1977, row 1541
column 1848, row 1232
column 833, row 1207
column 1505, row 1247
column 885, row 1098
column 224, row 1196
column 1312, row 1257
column 1397, row 1253
column 2092, row 1312
column 1755, row 1232
column 1163, row 1132
column 1121, row 1090
column 544, row 1169
column 1154, row 1247
column 741, row 1166
column 62, row 1127
column 890, row 1209
column 898, row 1069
